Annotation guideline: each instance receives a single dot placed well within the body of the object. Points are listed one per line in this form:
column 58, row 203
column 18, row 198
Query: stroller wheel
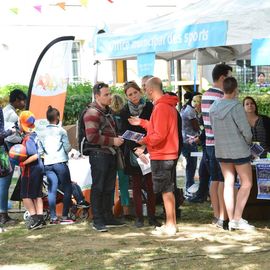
column 46, row 214
column 26, row 215
column 83, row 213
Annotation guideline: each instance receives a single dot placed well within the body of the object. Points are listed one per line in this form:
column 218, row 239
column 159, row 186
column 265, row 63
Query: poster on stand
column 263, row 181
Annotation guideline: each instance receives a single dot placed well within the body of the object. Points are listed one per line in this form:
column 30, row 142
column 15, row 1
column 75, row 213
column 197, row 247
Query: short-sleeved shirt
column 32, row 173
column 188, row 114
column 208, row 98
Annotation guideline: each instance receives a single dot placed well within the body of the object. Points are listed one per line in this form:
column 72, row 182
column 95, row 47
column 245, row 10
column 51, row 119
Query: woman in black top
column 137, row 106
column 260, row 124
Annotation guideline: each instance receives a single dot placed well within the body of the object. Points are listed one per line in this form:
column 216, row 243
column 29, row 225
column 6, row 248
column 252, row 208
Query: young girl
column 55, row 145
column 32, row 172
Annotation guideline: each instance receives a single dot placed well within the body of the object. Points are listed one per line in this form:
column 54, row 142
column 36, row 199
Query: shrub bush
column 78, row 96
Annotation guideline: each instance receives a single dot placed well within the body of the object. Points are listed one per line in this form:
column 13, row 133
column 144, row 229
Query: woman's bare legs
column 228, row 172
column 245, row 173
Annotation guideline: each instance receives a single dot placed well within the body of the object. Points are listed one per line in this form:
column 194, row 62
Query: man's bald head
column 155, row 83
column 153, row 88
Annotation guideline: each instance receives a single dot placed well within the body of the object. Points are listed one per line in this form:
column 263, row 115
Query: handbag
column 120, row 159
column 133, row 159
column 5, row 166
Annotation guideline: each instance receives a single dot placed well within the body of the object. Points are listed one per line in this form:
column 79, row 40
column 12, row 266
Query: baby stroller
column 79, row 209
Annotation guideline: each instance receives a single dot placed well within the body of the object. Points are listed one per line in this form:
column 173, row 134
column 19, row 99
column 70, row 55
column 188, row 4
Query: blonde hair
column 117, row 103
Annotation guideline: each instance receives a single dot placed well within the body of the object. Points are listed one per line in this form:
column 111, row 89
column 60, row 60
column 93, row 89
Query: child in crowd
column 78, row 196
column 55, row 146
column 32, row 172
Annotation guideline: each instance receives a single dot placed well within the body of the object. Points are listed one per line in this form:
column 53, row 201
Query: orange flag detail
column 62, row 5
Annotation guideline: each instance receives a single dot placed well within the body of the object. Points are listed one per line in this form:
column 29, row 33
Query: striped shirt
column 98, row 126
column 208, row 99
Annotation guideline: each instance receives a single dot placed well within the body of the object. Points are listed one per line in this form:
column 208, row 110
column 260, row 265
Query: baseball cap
column 27, row 121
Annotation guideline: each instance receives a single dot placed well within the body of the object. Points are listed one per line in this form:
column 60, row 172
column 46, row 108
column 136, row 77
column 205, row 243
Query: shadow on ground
column 197, row 245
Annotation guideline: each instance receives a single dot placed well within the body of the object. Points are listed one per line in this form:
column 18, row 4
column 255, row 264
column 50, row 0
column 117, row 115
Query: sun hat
column 27, row 121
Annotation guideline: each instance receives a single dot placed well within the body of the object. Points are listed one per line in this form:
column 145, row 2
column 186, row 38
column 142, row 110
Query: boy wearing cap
column 32, row 172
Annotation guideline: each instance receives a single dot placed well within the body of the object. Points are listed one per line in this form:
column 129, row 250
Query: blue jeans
column 191, row 162
column 58, row 176
column 4, row 187
column 103, row 170
column 204, row 176
column 214, row 167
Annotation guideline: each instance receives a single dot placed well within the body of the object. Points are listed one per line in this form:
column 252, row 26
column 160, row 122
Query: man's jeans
column 191, row 162
column 204, row 176
column 103, row 170
column 58, row 176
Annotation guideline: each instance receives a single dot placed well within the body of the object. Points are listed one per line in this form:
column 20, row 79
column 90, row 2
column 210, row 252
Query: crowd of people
column 215, row 120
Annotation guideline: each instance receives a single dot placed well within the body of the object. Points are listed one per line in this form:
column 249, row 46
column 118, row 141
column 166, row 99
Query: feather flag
column 50, row 76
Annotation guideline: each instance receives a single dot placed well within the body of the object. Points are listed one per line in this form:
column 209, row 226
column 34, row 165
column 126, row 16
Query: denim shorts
column 237, row 161
column 162, row 175
column 214, row 167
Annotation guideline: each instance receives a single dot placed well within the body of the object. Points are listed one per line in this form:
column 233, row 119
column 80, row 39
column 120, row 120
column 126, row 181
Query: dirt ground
column 197, row 245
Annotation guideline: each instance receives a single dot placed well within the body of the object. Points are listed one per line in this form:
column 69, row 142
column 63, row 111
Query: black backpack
column 81, row 137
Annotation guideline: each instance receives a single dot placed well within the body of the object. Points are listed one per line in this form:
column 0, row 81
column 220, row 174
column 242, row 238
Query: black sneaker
column 83, row 204
column 7, row 220
column 154, row 222
column 139, row 222
column 99, row 227
column 196, row 199
column 34, row 225
column 114, row 223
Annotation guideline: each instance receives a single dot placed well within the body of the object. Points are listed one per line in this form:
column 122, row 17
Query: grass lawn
column 197, row 245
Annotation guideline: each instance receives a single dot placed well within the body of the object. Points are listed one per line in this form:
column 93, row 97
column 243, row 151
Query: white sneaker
column 242, row 224
column 165, row 230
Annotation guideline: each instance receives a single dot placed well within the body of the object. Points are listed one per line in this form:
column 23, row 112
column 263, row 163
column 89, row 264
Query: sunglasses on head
column 101, row 85
column 128, row 82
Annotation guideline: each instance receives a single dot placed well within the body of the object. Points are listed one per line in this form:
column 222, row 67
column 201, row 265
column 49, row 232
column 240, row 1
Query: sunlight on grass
column 32, row 266
column 249, row 267
column 216, row 256
column 123, row 235
column 35, row 237
column 216, row 249
column 73, row 227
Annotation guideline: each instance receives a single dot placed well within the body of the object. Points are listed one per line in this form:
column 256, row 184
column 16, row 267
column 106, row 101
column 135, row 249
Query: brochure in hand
column 132, row 135
column 256, row 149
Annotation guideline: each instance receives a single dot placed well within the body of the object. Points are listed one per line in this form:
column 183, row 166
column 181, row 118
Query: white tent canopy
column 246, row 20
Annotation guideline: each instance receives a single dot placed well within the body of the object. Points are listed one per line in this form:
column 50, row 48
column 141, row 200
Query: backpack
column 180, row 138
column 84, row 146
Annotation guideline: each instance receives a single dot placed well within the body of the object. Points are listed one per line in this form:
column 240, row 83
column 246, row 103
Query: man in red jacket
column 163, row 144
